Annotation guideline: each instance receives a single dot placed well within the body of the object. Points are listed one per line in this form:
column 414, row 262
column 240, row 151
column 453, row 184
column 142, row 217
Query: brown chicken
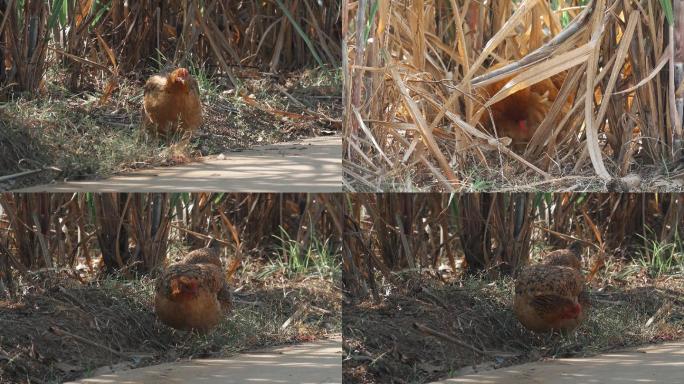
column 519, row 115
column 172, row 103
column 193, row 294
column 552, row 295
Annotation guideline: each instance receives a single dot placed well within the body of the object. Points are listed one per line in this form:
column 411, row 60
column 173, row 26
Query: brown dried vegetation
column 429, row 80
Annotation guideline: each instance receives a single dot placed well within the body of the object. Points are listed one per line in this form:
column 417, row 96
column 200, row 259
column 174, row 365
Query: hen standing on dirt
column 552, row 296
column 193, row 293
column 172, row 104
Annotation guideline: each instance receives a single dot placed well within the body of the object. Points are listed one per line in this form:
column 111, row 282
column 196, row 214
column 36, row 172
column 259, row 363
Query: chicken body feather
column 520, row 114
column 193, row 294
column 171, row 103
column 570, row 257
column 552, row 295
column 208, row 255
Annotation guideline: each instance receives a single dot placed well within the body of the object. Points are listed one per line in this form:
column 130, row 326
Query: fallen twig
column 61, row 332
column 435, row 333
column 26, row 173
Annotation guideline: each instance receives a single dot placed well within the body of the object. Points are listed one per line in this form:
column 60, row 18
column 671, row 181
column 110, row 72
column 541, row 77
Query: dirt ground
column 64, row 330
column 507, row 175
column 423, row 330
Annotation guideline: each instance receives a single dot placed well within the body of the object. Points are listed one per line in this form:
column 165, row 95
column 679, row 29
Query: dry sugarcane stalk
column 541, row 53
column 679, row 74
column 616, row 111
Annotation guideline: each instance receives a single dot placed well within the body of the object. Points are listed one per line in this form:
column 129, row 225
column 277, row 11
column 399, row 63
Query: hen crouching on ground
column 171, row 104
column 520, row 114
column 552, row 295
column 193, row 293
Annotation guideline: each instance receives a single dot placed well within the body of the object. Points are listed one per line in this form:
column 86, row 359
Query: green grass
column 322, row 77
column 660, row 259
column 81, row 137
column 209, row 88
column 319, row 258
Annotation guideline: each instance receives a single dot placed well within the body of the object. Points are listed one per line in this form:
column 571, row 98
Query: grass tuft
column 660, row 259
column 318, row 258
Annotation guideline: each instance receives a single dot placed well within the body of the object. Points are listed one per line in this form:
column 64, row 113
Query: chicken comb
column 180, row 72
column 188, row 281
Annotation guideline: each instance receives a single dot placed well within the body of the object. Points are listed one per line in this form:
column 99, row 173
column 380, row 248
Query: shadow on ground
column 312, row 165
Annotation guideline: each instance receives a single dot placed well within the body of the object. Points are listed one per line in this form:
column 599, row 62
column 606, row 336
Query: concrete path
column 661, row 364
column 310, row 165
column 319, row 362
